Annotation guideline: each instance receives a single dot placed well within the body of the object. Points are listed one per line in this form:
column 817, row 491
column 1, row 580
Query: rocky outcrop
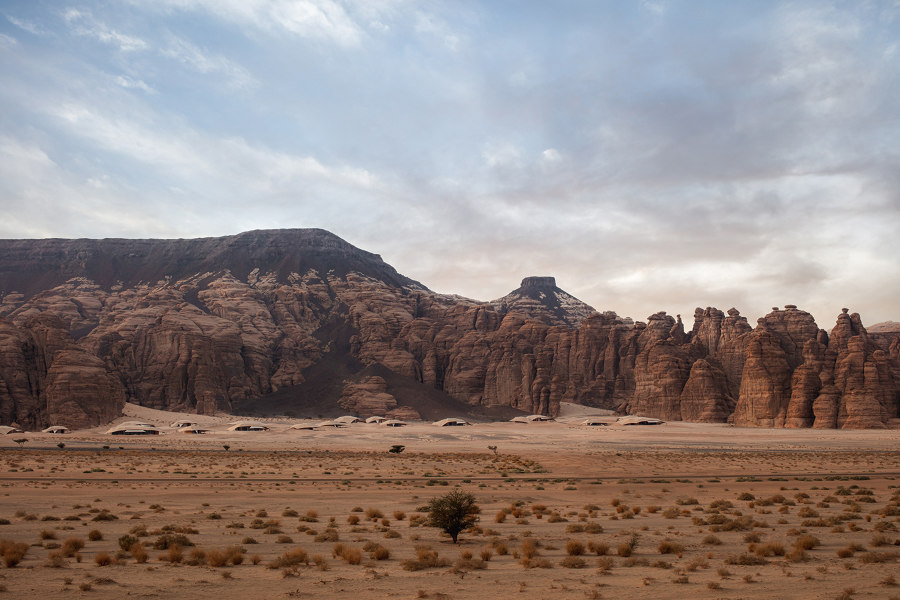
column 301, row 322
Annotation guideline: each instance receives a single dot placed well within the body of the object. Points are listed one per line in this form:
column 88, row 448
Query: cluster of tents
column 191, row 427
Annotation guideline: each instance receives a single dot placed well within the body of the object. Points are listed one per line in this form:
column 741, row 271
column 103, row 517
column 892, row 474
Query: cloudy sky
column 650, row 155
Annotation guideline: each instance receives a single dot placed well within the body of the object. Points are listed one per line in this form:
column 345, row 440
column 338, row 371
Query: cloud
column 7, row 40
column 206, row 63
column 83, row 24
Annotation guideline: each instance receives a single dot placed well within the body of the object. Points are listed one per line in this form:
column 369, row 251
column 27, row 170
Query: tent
column 348, row 419
column 532, row 419
column 6, row 429
column 593, row 422
column 306, row 426
column 634, row 420
column 331, row 425
column 394, row 423
column 248, row 426
column 128, row 429
column 184, row 423
column 192, row 430
column 138, row 424
column 376, row 420
column 55, row 429
column 451, row 422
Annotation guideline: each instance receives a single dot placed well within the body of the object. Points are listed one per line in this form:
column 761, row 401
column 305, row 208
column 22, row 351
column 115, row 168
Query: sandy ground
column 568, row 511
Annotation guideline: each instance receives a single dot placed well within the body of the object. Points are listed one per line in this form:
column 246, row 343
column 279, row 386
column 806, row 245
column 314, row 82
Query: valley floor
column 680, row 510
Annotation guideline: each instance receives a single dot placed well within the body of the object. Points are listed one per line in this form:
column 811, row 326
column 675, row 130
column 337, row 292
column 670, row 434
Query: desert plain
column 567, row 511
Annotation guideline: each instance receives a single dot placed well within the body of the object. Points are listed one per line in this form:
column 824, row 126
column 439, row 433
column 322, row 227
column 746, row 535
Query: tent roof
column 636, row 420
column 394, row 423
column 348, row 419
column 376, row 419
column 451, row 421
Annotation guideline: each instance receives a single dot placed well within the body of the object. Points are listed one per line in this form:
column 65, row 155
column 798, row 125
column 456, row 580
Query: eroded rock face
column 205, row 325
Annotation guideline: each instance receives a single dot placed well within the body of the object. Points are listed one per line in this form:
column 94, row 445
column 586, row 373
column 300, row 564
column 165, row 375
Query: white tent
column 376, row 419
column 394, row 423
column 635, row 420
column 248, row 426
column 192, row 430
column 128, row 429
column 6, row 429
column 184, row 423
column 348, row 419
column 137, row 424
column 593, row 422
column 532, row 419
column 56, row 429
column 306, row 426
column 331, row 425
column 451, row 422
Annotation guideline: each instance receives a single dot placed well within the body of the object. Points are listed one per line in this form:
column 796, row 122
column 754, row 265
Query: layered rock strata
column 299, row 316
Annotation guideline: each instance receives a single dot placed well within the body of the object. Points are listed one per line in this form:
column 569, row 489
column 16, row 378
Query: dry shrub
column 291, row 558
column 598, row 548
column 500, row 516
column 353, row 520
column 500, row 548
column 374, row 514
column 879, row 540
column 670, row 547
column 329, row 535
column 573, row 562
column 605, row 564
column 426, row 558
column 285, row 539
column 712, row 540
column 353, row 556
column 71, row 546
column 529, row 549
column 217, row 558
column 745, row 559
column 878, row 557
column 806, row 542
column 593, row 527
column 624, row 549
column 167, row 540
column 197, row 557
column 486, row 554
column 94, row 535
column 103, row 559
column 56, row 560
column 468, row 564
column 770, row 549
column 536, row 563
column 255, row 559
column 174, row 554
column 574, row 548
column 138, row 553
column 47, row 534
column 392, row 534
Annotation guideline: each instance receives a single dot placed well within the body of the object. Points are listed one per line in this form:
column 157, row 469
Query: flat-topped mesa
column 538, row 283
column 538, row 298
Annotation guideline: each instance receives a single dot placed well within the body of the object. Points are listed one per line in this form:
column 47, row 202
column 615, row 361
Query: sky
column 651, row 155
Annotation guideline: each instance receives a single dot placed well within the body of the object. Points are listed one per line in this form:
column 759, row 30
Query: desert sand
column 568, row 511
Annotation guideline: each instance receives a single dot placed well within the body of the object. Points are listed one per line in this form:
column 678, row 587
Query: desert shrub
column 745, row 559
column 806, row 542
column 104, row 515
column 56, row 560
column 196, row 557
column 529, row 548
column 284, row 539
column 353, row 519
column 329, row 535
column 574, row 548
column 138, row 553
column 669, row 547
column 71, row 546
column 770, row 549
column 426, row 558
column 575, row 528
column 573, row 562
column 290, row 512
column 373, row 514
column 598, row 548
column 671, row 513
column 103, row 559
column 127, row 541
column 47, row 534
column 353, row 556
column 218, row 558
column 500, row 548
column 167, row 540
column 291, row 558
column 712, row 540
column 12, row 552
column 94, row 535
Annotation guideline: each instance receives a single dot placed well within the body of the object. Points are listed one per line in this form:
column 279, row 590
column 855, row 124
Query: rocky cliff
column 301, row 322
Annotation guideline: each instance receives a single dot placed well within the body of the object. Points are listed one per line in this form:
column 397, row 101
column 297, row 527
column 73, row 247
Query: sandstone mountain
column 301, row 322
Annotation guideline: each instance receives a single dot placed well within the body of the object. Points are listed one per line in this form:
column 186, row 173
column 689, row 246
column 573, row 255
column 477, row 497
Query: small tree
column 397, row 448
column 453, row 512
column 61, row 445
column 226, row 446
column 21, row 441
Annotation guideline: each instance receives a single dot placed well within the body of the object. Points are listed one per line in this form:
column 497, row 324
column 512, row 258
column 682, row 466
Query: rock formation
column 301, row 322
